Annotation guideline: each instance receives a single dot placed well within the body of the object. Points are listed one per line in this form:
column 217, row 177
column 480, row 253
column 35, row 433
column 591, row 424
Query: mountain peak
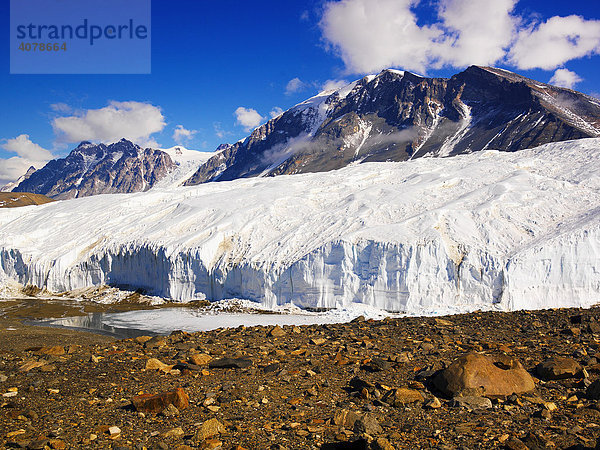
column 396, row 115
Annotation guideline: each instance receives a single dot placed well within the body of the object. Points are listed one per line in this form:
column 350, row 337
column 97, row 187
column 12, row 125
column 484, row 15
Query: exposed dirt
column 17, row 199
column 321, row 386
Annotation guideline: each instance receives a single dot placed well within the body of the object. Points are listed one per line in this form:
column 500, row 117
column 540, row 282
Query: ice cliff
column 488, row 229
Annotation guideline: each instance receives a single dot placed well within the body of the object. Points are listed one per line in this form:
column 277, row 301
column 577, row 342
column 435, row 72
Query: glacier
column 487, row 230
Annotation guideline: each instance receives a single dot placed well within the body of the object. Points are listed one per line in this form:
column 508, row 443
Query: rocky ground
column 396, row 383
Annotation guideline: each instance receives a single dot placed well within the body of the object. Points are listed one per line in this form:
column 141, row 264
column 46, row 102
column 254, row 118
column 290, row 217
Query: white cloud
column 29, row 154
column 370, row 35
column 248, row 118
column 565, row 78
column 181, row 134
column 295, row 85
column 62, row 108
column 476, row 31
column 333, row 85
column 276, row 111
column 556, row 41
column 373, row 34
column 135, row 121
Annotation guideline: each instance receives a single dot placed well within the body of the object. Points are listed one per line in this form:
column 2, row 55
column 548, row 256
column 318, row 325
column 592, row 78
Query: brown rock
column 476, row 374
column 155, row 364
column 557, row 368
column 210, row 428
column 142, row 339
column 175, row 433
column 56, row 350
column 382, row 444
column 344, row 418
column 159, row 402
column 200, row 359
column 403, row 396
column 29, row 365
column 367, row 424
column 156, row 342
column 57, row 444
column 277, row 331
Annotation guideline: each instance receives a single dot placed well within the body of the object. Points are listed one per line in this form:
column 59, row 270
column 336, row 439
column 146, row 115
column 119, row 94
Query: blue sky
column 209, row 59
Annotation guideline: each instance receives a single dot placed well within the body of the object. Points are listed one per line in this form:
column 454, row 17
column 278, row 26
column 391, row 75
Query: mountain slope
column 10, row 186
column 490, row 229
column 92, row 169
column 396, row 116
column 18, row 199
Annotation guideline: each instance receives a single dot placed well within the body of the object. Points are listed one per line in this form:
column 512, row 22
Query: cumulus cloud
column 333, row 85
column 132, row 120
column 565, row 78
column 370, row 35
column 181, row 134
column 248, row 118
column 556, row 41
column 28, row 154
column 276, row 111
column 295, row 85
column 476, row 31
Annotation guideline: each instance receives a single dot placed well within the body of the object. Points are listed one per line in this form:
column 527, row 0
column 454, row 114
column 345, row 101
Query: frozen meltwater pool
column 165, row 320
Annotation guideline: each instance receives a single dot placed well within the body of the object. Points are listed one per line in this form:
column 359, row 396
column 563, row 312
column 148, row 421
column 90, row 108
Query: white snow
column 484, row 230
column 187, row 162
column 465, row 124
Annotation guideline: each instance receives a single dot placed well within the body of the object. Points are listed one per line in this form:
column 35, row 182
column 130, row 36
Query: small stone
column 200, row 359
column 403, row 396
column 443, row 322
column 155, row 364
column 56, row 350
column 318, row 341
column 377, row 365
column 175, row 433
column 344, row 418
column 277, row 331
column 212, row 444
column 38, row 444
column 29, row 365
column 57, row 444
column 382, row 444
column 142, row 339
column 170, row 411
column 558, row 368
column 156, row 342
column 12, row 434
column 3, row 378
column 367, row 424
column 471, row 402
column 114, row 431
column 515, row 444
column 433, row 403
column 210, row 428
column 230, row 363
column 159, row 402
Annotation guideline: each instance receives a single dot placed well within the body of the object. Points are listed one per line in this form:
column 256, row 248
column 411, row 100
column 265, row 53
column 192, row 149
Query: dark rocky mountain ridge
column 92, row 169
column 396, row 116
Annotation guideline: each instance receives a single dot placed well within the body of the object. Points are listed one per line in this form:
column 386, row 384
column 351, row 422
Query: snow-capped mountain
column 92, row 169
column 396, row 116
column 10, row 186
column 490, row 229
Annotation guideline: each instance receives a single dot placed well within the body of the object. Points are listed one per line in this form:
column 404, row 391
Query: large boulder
column 476, row 374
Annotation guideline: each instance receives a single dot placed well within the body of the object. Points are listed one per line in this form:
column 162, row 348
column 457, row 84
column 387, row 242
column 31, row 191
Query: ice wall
column 509, row 231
